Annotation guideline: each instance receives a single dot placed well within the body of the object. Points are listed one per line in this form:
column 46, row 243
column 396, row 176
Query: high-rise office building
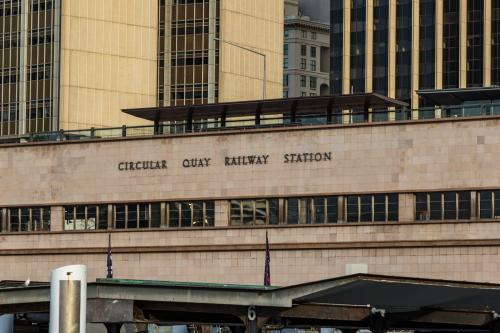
column 68, row 64
column 398, row 47
column 306, row 49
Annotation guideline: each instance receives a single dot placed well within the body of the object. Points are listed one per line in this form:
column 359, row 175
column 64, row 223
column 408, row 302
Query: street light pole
column 255, row 52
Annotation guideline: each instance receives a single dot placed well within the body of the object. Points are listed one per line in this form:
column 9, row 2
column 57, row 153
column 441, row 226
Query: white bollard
column 68, row 299
column 7, row 323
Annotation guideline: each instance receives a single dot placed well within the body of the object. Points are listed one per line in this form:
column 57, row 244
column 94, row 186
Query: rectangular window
column 304, row 34
column 285, row 50
column 313, row 52
column 489, row 204
column 303, row 81
column 372, row 208
column 443, row 206
column 316, row 210
column 313, row 65
column 285, row 63
column 28, row 219
column 303, row 63
column 86, row 217
column 285, row 80
column 313, row 36
column 287, row 33
column 303, row 50
column 313, row 82
column 193, row 214
column 253, row 212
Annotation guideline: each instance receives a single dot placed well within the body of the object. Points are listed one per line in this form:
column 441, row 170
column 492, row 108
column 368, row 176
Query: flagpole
column 267, row 267
column 109, row 260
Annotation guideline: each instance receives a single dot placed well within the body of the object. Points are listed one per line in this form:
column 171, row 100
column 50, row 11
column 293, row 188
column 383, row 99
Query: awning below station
column 356, row 301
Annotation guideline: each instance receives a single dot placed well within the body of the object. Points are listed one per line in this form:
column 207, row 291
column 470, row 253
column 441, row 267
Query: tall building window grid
column 358, row 46
column 443, row 205
column 427, row 46
column 403, row 50
column 303, row 63
column 303, row 50
column 39, row 72
column 475, row 44
column 189, row 26
column 27, row 219
column 451, row 38
column 489, row 204
column 337, row 47
column 380, row 46
column 495, row 47
column 312, row 66
column 313, row 83
column 303, row 81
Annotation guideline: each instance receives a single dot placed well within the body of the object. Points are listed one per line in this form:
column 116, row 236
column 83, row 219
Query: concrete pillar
column 392, row 48
column 415, row 55
column 439, row 44
column 346, row 50
column 463, row 45
column 487, row 44
column 56, row 218
column 7, row 323
column 221, row 213
column 369, row 47
column 406, row 207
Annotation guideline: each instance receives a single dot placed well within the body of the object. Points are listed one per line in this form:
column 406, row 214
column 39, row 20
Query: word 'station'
column 307, row 157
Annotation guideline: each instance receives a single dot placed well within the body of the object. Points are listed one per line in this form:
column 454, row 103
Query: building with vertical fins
column 405, row 49
column 75, row 64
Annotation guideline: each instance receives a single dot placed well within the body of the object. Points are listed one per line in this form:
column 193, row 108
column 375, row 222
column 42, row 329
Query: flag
column 267, row 269
column 109, row 261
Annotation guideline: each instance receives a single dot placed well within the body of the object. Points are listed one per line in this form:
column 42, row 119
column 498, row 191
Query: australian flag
column 267, row 269
column 109, row 261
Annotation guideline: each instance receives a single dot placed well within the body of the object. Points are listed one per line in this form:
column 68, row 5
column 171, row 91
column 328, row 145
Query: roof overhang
column 443, row 97
column 350, row 300
column 263, row 107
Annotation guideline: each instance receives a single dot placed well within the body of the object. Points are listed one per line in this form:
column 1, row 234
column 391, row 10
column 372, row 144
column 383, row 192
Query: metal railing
column 246, row 123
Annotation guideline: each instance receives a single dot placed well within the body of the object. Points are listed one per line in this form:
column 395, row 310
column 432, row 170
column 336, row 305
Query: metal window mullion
column 359, row 208
column 456, row 206
column 493, row 198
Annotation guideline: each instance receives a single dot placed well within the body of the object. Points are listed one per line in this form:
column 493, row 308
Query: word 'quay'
column 246, row 160
column 196, row 162
column 307, row 157
column 142, row 165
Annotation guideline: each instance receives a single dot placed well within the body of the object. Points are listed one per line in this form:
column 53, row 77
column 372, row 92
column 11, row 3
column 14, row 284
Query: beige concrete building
column 306, row 52
column 409, row 198
column 70, row 64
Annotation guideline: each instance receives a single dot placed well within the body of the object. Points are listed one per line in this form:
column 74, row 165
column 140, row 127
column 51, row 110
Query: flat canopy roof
column 459, row 95
column 349, row 301
column 269, row 106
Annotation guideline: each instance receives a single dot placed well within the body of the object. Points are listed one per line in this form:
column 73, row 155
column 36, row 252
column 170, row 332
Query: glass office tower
column 397, row 47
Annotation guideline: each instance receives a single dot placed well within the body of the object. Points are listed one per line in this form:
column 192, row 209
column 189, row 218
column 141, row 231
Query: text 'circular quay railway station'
column 359, row 213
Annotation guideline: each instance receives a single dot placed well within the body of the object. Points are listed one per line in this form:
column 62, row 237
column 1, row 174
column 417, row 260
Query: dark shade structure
column 460, row 95
column 269, row 107
column 375, row 302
